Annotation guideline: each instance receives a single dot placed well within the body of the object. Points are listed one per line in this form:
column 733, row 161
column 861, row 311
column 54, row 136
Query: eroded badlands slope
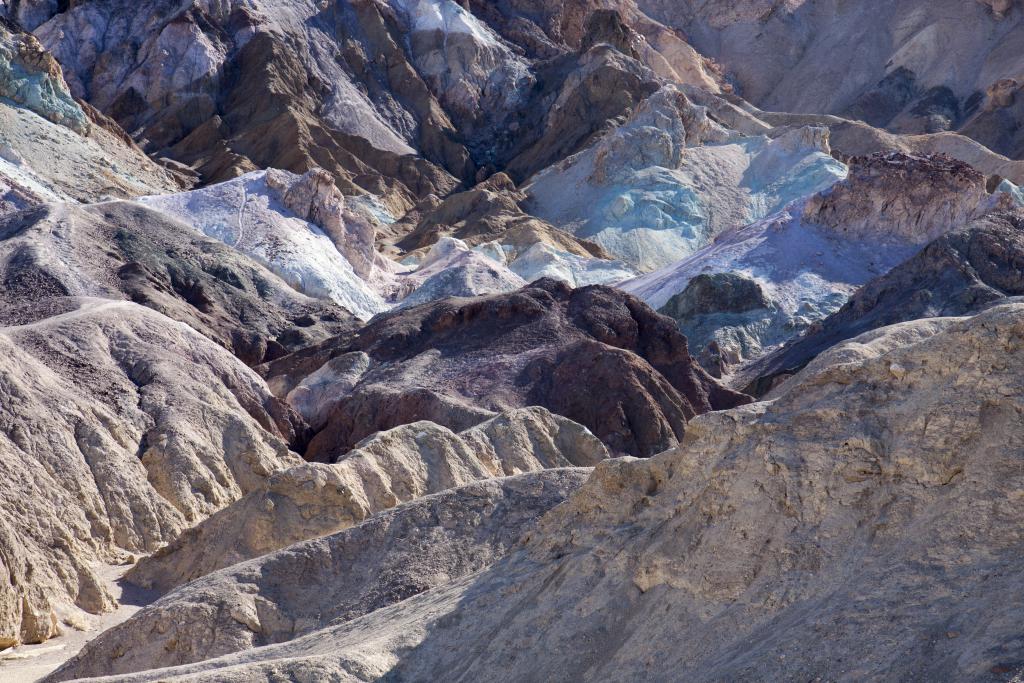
column 332, row 323
column 871, row 502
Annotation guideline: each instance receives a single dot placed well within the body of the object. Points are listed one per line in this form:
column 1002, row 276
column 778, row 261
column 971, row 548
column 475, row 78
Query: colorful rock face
column 511, row 340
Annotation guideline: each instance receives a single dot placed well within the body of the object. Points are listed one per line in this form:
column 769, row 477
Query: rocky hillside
column 769, row 527
column 365, row 340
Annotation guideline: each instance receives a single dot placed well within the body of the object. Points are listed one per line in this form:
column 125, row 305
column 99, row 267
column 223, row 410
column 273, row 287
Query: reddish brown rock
column 595, row 355
column 895, row 195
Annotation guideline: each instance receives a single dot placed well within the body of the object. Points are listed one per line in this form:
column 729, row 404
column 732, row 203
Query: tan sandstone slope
column 382, row 471
column 865, row 524
column 386, row 559
column 120, row 429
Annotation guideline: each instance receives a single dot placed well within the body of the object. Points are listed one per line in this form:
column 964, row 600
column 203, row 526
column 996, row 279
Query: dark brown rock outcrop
column 595, row 355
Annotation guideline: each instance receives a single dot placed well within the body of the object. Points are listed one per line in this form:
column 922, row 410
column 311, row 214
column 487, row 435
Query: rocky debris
column 122, row 250
column 809, row 259
column 119, row 428
column 958, row 274
column 900, row 197
column 871, row 503
column 382, row 471
column 452, row 361
column 256, row 215
column 388, row 558
column 666, row 182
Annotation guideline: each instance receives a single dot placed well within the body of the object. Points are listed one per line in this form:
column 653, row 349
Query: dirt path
column 29, row 663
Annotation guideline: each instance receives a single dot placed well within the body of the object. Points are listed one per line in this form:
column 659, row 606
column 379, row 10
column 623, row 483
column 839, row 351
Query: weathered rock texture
column 386, row 559
column 52, row 147
column 895, row 197
column 119, row 428
column 228, row 88
column 121, row 250
column 401, row 98
column 871, row 511
column 452, row 361
column 712, row 304
column 957, row 274
column 384, row 470
column 490, row 219
column 299, row 227
column 850, row 138
column 670, row 179
column 32, row 78
column 809, row 259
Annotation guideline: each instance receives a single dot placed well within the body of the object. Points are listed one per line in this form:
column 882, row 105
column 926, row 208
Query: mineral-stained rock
column 849, row 138
column 451, row 268
column 489, row 218
column 384, row 470
column 452, row 361
column 53, row 147
column 579, row 98
column 489, row 212
column 870, row 510
column 957, row 274
column 32, row 78
column 384, row 560
column 267, row 215
column 123, row 250
column 119, row 428
column 667, row 181
column 231, row 88
column 714, row 312
column 809, row 259
column 718, row 293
